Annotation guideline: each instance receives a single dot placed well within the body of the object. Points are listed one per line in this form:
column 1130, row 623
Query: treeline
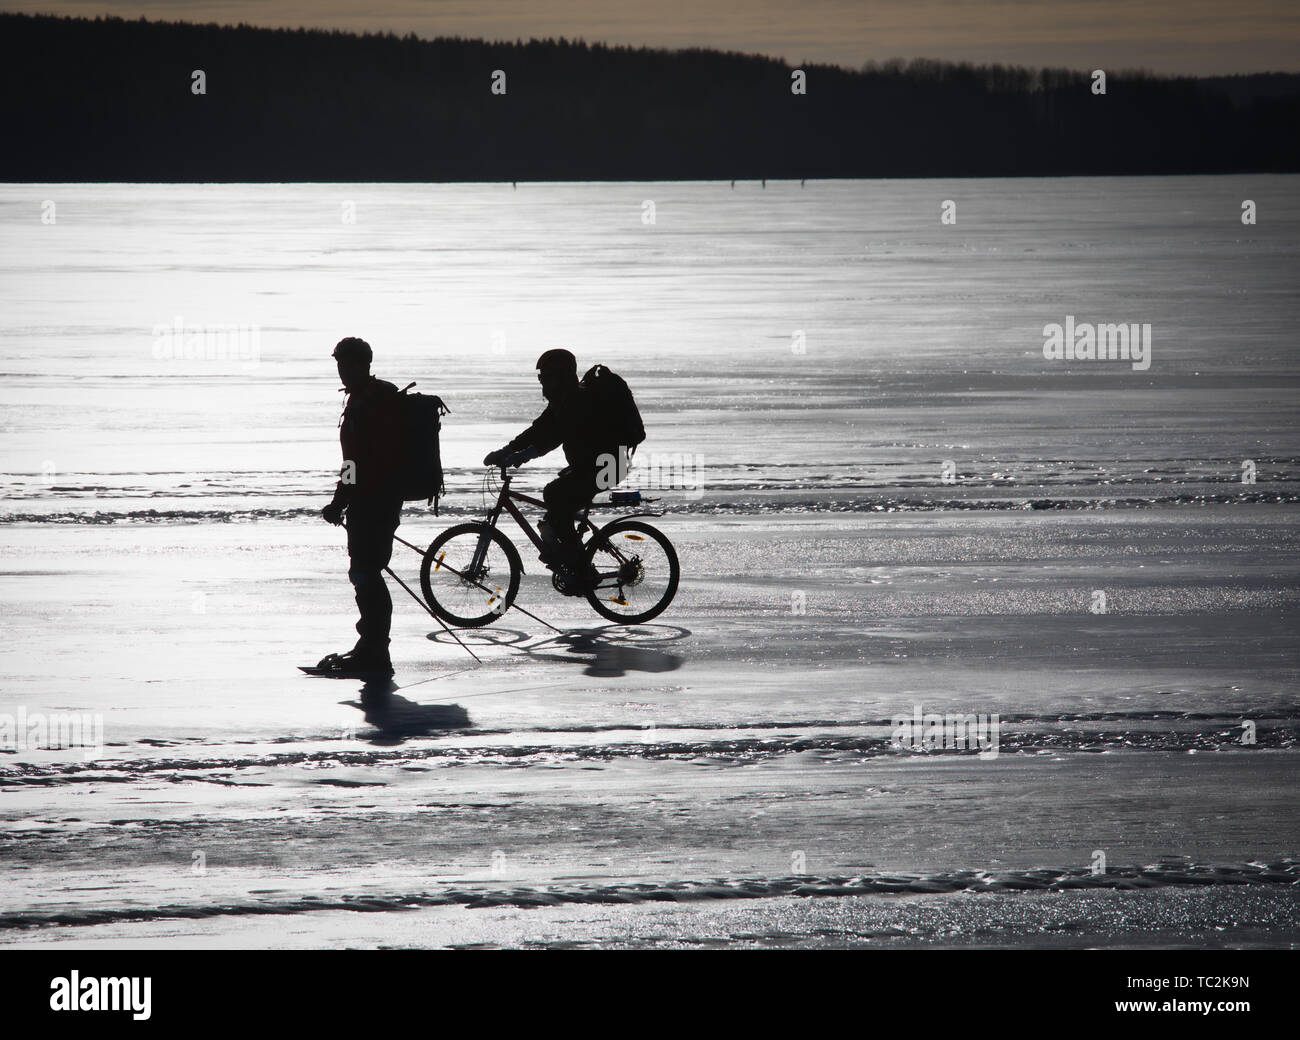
column 108, row 99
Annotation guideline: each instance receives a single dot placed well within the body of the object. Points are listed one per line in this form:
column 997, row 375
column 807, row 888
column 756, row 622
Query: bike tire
column 497, row 597
column 613, row 540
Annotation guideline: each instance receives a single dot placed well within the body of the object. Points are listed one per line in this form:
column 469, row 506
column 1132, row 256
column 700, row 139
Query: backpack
column 615, row 409
column 420, row 470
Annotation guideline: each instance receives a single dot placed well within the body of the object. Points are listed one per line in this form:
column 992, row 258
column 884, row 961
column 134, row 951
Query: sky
column 1190, row 37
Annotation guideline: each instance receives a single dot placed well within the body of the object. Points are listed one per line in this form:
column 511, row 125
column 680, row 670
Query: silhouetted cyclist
column 569, row 420
column 368, row 492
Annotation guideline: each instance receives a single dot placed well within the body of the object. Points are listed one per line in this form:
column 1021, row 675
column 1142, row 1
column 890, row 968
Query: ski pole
column 513, row 606
column 389, row 572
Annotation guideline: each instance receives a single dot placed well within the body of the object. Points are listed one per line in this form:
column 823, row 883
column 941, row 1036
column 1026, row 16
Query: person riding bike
column 595, row 460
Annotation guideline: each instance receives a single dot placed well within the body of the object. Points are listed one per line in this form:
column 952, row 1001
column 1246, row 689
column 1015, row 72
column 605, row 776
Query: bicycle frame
column 506, row 501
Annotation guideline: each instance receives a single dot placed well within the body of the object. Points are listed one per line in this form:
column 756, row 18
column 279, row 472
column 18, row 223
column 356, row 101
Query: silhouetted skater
column 369, row 494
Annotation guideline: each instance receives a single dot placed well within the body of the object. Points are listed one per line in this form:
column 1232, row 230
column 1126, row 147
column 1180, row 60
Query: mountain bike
column 470, row 573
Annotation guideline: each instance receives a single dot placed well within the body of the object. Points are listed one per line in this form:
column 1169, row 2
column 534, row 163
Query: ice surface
column 165, row 568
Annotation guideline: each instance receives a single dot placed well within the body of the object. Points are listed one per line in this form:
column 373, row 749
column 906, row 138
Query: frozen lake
column 901, row 504
column 820, row 340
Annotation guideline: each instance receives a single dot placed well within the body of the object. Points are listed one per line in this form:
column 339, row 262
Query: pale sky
column 1196, row 37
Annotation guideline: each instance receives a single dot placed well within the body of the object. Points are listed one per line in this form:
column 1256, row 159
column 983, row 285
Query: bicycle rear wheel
column 638, row 571
column 461, row 593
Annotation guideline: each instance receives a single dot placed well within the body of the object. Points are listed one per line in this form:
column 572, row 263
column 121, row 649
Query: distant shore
column 150, row 102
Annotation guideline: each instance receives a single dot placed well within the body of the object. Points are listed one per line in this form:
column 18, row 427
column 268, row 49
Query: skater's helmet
column 353, row 350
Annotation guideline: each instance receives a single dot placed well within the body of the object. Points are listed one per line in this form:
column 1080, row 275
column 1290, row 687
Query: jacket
column 573, row 424
column 370, row 434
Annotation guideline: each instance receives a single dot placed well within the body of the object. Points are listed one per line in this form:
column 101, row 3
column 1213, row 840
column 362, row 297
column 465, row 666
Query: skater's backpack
column 615, row 409
column 421, row 465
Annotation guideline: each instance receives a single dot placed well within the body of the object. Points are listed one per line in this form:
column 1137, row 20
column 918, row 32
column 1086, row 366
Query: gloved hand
column 333, row 513
column 495, row 458
column 518, row 458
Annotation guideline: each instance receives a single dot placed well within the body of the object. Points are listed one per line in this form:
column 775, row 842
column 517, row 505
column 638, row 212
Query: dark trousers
column 568, row 493
column 574, row 488
column 371, row 526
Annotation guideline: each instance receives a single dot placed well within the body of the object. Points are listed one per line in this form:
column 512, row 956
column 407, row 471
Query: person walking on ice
column 369, row 496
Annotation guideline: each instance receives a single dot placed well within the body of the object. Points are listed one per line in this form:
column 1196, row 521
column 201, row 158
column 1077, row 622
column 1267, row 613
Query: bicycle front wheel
column 470, row 575
column 637, row 572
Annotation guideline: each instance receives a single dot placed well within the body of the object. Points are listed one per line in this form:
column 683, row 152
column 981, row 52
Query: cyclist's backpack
column 421, row 464
column 615, row 410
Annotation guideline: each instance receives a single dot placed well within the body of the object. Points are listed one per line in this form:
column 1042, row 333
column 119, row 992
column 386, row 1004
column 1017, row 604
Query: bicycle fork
column 480, row 553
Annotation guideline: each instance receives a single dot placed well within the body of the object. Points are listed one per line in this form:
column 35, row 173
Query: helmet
column 558, row 360
column 353, row 349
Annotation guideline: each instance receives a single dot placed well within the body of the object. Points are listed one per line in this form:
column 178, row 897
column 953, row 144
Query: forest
column 108, row 99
